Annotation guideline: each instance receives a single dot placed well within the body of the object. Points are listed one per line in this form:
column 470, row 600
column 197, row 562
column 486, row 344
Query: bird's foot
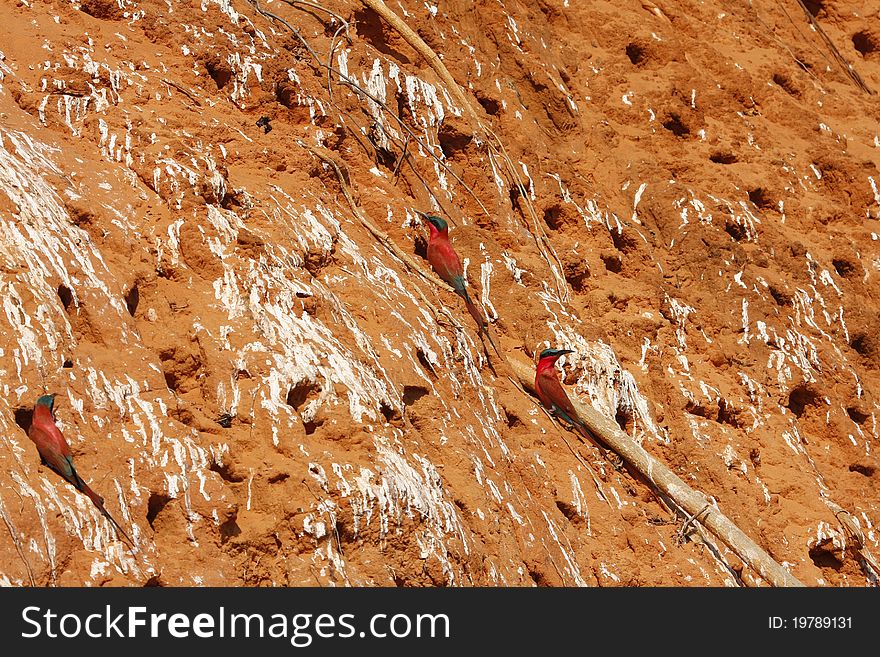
column 615, row 460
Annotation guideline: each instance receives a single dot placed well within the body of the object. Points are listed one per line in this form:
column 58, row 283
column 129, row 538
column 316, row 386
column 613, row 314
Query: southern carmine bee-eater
column 553, row 397
column 445, row 261
column 55, row 452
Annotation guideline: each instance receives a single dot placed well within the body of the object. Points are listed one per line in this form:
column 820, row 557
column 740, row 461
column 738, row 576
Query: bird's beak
column 562, row 352
column 423, row 215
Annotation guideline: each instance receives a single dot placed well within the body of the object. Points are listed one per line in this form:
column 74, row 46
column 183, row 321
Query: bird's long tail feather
column 479, row 318
column 606, row 451
column 98, row 501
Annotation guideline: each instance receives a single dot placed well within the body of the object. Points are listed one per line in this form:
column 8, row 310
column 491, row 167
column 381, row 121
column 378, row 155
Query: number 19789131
column 810, row 622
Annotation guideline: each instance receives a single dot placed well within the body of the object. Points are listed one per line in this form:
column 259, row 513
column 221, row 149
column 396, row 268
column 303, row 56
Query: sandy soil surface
column 266, row 395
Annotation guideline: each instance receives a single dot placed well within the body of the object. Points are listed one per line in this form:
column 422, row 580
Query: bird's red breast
column 443, row 257
column 45, row 433
column 549, row 389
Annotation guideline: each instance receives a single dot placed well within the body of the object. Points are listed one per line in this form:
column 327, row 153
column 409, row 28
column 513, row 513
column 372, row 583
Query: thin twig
column 344, row 79
column 769, row 30
column 403, row 155
column 440, row 69
column 315, row 5
column 182, row 90
column 841, row 60
column 681, row 536
column 378, row 234
column 13, row 533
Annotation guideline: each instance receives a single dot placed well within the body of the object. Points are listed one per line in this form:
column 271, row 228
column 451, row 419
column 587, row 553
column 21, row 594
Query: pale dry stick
column 429, row 55
column 654, row 9
column 330, row 63
column 485, row 133
column 851, row 529
column 670, row 484
column 182, row 90
column 412, row 135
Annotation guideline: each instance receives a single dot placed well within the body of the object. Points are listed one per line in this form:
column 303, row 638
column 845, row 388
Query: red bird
column 55, row 453
column 553, row 397
column 444, row 260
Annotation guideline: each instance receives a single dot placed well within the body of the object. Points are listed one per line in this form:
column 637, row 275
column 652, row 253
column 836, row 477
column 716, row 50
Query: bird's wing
column 445, row 262
column 47, row 435
column 61, row 464
column 569, row 418
column 560, row 404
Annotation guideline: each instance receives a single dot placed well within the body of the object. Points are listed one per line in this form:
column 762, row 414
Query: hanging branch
column 370, row 226
column 851, row 73
column 484, row 132
column 346, row 80
column 694, row 503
